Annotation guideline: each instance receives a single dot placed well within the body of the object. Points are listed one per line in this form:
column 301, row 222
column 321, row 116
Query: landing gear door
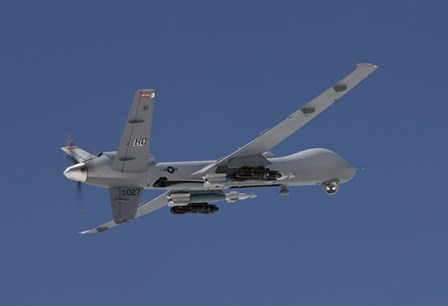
column 124, row 202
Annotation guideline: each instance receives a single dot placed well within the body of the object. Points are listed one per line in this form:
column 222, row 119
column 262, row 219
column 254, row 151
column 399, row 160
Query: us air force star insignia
column 170, row 169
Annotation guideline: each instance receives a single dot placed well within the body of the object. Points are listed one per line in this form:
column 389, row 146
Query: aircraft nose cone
column 77, row 172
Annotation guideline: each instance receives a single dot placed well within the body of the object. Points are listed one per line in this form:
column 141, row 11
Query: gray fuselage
column 309, row 167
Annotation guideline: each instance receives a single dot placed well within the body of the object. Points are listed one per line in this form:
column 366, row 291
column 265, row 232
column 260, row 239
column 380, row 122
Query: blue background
column 223, row 72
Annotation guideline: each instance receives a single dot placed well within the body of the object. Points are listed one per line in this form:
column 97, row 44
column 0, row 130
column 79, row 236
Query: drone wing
column 143, row 209
column 132, row 154
column 251, row 153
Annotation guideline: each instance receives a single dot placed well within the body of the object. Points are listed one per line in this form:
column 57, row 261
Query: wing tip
column 367, row 65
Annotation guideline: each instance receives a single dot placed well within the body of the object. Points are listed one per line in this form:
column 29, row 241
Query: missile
column 235, row 196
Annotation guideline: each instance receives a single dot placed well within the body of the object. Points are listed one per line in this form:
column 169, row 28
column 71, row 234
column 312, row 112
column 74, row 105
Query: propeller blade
column 68, row 143
column 79, row 203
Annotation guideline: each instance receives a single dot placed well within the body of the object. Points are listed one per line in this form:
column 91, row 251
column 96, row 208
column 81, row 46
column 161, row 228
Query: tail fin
column 77, row 154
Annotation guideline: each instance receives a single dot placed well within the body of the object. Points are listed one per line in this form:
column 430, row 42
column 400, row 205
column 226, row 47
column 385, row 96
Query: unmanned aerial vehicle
column 196, row 186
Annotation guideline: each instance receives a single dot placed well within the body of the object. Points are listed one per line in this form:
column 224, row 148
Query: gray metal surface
column 299, row 118
column 143, row 209
column 124, row 202
column 77, row 154
column 132, row 154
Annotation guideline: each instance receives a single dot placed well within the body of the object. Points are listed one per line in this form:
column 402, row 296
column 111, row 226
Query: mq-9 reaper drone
column 190, row 187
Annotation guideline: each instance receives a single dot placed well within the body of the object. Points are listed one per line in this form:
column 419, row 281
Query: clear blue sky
column 224, row 71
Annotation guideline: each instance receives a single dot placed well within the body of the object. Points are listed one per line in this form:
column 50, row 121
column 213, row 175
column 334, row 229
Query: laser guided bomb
column 182, row 202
